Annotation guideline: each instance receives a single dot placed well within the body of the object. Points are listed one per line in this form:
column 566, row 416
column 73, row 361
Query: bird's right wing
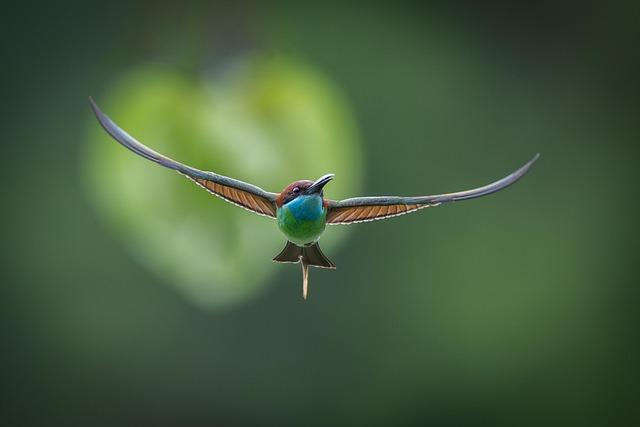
column 364, row 209
column 239, row 193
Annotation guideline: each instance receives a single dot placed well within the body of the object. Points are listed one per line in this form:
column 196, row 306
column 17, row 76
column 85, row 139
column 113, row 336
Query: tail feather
column 306, row 256
column 314, row 256
column 310, row 255
column 290, row 253
column 305, row 279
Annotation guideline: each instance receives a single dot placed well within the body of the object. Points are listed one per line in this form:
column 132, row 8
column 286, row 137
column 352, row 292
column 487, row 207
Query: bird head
column 303, row 187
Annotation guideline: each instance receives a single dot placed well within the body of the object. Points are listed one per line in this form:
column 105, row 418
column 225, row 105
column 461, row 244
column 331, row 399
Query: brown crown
column 288, row 194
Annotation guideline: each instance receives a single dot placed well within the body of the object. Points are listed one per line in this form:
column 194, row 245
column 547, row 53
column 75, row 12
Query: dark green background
column 517, row 309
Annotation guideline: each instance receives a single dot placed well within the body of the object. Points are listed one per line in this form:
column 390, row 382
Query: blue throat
column 306, row 208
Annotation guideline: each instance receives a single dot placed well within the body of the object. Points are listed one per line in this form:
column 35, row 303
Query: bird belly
column 302, row 221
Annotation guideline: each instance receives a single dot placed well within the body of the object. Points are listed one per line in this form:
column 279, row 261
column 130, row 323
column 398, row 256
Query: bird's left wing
column 239, row 193
column 363, row 209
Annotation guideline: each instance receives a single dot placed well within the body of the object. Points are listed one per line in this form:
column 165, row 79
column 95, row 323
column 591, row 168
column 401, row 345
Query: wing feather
column 234, row 191
column 364, row 209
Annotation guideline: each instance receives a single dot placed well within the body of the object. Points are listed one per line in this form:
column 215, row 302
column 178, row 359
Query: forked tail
column 306, row 256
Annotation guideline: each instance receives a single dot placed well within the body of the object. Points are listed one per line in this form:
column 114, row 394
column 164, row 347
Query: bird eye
column 296, row 190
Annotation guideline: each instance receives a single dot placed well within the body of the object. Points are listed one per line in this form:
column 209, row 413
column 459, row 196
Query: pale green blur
column 265, row 120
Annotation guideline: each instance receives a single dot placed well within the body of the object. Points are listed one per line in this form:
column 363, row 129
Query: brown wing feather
column 231, row 190
column 243, row 199
column 363, row 209
column 365, row 213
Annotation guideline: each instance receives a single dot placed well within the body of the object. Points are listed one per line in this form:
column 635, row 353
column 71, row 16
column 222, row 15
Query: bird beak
column 317, row 186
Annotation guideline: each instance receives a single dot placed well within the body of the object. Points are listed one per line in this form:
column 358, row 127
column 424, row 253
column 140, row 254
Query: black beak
column 317, row 186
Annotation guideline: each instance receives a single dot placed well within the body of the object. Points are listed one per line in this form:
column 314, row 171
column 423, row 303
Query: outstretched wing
column 239, row 193
column 363, row 209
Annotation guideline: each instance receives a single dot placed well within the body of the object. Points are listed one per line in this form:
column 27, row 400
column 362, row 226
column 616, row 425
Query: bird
column 301, row 210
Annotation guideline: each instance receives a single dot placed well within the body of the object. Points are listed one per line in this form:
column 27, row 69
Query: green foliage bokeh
column 519, row 308
column 266, row 120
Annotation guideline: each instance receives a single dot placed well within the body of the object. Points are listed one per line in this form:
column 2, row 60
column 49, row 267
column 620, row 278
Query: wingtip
column 531, row 162
column 525, row 168
column 94, row 107
column 104, row 120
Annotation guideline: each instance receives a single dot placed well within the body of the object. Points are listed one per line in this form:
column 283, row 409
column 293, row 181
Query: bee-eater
column 301, row 210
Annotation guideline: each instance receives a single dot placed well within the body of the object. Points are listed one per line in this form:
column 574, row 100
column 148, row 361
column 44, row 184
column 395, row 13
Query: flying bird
column 301, row 210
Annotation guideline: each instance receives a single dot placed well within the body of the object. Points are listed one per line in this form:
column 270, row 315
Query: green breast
column 302, row 220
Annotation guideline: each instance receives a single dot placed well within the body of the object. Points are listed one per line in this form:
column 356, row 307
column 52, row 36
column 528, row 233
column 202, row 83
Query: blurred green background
column 515, row 309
